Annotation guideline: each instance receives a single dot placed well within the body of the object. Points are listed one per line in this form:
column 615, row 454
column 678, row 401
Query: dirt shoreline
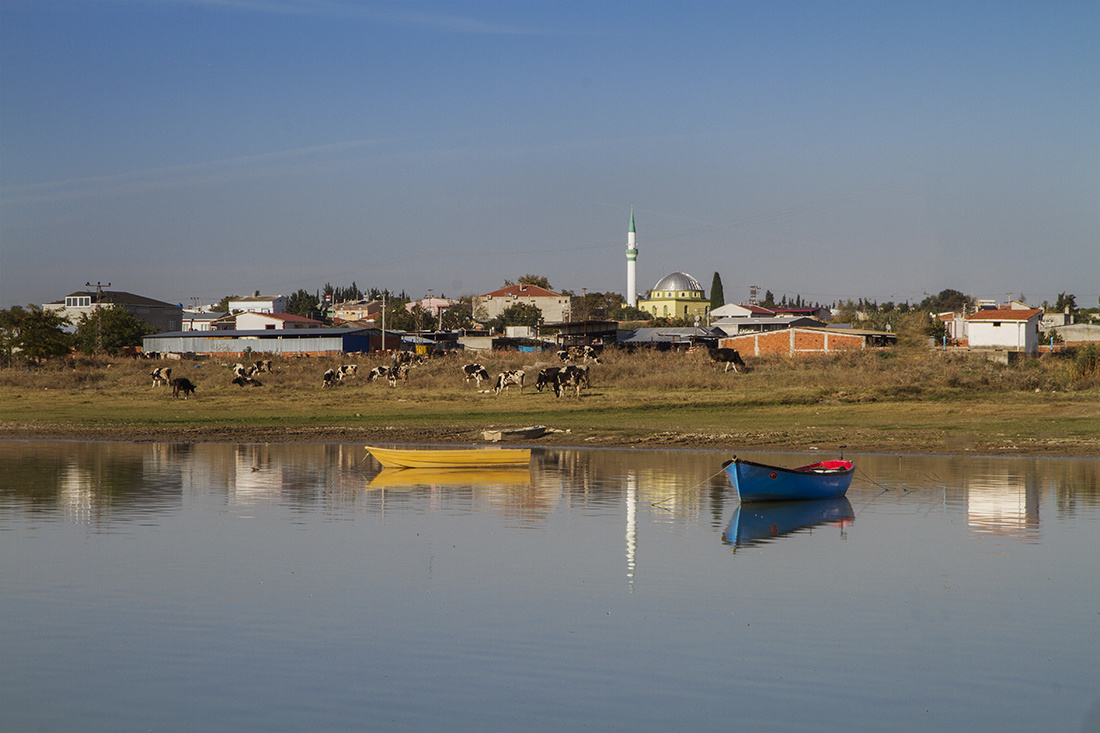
column 877, row 443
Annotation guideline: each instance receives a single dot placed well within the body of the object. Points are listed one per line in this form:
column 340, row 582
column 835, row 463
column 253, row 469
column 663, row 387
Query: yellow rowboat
column 450, row 457
column 466, row 477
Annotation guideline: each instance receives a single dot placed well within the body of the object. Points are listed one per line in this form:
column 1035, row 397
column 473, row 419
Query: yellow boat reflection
column 409, row 477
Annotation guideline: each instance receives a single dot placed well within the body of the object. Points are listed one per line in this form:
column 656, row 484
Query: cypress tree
column 717, row 295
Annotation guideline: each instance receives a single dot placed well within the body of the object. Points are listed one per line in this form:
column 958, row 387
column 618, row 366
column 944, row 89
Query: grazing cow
column 347, row 370
column 729, row 357
column 239, row 370
column 329, row 378
column 378, row 372
column 182, row 384
column 400, row 372
column 571, row 376
column 508, row 379
column 548, row 377
column 475, row 372
column 161, row 375
column 580, row 353
column 247, row 382
column 264, row 365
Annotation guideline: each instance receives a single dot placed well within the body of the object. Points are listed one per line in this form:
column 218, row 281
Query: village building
column 554, row 306
column 734, row 326
column 740, row 310
column 257, row 303
column 801, row 341
column 1005, row 329
column 356, row 310
column 158, row 314
column 239, row 344
column 201, row 320
column 252, row 321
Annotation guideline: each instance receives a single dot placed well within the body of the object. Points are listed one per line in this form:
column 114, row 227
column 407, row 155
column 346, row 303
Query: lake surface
column 283, row 587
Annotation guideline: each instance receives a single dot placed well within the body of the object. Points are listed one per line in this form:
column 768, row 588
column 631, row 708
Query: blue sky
column 191, row 149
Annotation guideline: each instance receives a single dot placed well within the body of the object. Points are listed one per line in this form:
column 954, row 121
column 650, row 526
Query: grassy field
column 901, row 400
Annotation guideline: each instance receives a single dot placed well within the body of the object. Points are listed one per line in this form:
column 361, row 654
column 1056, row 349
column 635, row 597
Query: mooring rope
column 676, row 493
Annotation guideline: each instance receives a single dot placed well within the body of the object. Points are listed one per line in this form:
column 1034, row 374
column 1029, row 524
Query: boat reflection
column 758, row 523
column 391, row 478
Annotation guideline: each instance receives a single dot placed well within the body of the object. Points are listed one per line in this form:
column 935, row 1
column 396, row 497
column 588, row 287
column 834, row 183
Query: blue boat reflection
column 754, row 524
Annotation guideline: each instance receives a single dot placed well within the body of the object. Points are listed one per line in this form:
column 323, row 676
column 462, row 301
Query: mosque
column 678, row 295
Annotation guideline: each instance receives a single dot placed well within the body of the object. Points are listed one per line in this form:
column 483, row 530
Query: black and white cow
column 580, row 353
column 548, row 377
column 401, row 371
column 475, row 373
column 573, row 376
column 181, row 384
column 346, row 371
column 264, row 365
column 328, row 379
column 161, row 375
column 729, row 357
column 512, row 377
column 379, row 372
column 247, row 382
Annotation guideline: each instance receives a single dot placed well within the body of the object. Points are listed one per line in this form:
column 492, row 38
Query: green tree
column 626, row 313
column 595, row 306
column 1066, row 301
column 34, row 333
column 537, row 280
column 947, row 300
column 768, row 301
column 301, row 303
column 520, row 314
column 717, row 293
column 116, row 326
column 458, row 316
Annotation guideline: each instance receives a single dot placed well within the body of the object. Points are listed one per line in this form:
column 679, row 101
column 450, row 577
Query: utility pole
column 98, row 315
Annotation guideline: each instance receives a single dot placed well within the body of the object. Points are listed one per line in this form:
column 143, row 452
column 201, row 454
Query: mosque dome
column 678, row 281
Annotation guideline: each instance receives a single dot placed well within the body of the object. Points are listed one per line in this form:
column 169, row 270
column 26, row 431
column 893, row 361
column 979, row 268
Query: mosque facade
column 678, row 295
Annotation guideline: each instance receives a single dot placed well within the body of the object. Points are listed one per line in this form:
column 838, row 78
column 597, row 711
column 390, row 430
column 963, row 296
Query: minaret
column 631, row 264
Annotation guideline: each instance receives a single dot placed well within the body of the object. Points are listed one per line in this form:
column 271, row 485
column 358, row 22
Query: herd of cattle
column 560, row 379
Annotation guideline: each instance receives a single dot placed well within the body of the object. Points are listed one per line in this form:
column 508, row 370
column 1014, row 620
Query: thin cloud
column 248, row 166
column 395, row 14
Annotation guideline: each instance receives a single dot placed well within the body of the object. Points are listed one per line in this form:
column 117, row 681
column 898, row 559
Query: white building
column 1005, row 329
column 257, row 303
column 554, row 306
column 160, row 315
column 273, row 322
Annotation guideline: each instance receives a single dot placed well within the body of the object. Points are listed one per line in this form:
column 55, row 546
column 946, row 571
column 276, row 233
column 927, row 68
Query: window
column 269, row 327
column 996, row 324
column 78, row 301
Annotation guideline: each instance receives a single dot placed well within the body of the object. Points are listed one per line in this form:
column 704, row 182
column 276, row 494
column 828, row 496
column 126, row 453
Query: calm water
column 266, row 588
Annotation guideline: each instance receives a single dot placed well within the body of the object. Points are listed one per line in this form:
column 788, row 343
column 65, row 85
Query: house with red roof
column 273, row 322
column 1005, row 329
column 555, row 307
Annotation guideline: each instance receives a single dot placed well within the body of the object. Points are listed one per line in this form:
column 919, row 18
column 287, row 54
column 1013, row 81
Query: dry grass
column 894, row 374
column 906, row 396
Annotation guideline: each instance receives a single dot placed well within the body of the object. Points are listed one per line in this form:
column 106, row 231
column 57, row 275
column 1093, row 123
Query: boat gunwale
column 445, row 457
column 801, row 470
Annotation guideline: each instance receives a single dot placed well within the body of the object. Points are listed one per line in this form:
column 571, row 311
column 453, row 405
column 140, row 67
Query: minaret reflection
column 631, row 527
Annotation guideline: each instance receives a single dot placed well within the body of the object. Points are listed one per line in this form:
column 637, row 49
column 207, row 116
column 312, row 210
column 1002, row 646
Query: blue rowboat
column 761, row 482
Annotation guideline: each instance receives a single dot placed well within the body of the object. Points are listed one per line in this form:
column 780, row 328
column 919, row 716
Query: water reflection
column 99, row 483
column 140, row 573
column 758, row 523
